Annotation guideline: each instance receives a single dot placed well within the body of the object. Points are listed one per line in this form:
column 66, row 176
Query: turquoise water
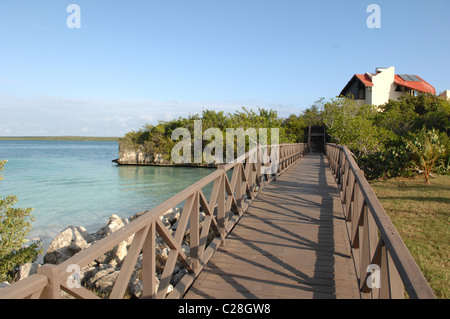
column 76, row 184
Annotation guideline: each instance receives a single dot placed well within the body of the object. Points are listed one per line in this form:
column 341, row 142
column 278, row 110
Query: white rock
column 67, row 243
column 114, row 223
column 118, row 253
column 163, row 254
column 174, row 214
column 4, row 284
column 27, row 270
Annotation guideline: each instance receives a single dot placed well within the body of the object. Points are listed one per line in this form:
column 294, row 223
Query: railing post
column 149, row 263
column 238, row 187
column 341, row 163
column 281, row 159
column 221, row 203
column 258, row 179
column 52, row 290
column 195, row 234
column 396, row 290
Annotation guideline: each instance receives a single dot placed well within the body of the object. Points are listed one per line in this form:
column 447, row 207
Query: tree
column 352, row 125
column 426, row 148
column 15, row 224
column 314, row 115
column 411, row 113
column 294, row 127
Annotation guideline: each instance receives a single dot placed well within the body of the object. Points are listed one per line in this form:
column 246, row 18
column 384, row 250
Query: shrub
column 15, row 224
column 427, row 147
column 393, row 161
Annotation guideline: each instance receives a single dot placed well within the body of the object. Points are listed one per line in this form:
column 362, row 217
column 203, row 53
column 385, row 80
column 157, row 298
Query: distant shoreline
column 58, row 138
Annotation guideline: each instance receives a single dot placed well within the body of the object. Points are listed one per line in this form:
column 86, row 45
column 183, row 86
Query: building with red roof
column 384, row 85
column 445, row 95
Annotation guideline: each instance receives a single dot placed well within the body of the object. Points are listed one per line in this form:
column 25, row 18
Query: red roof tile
column 421, row 86
column 365, row 79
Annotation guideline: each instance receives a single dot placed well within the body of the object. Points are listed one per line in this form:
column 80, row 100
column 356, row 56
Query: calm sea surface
column 76, row 184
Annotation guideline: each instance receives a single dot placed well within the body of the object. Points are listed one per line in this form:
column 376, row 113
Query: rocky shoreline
column 135, row 154
column 99, row 276
column 143, row 155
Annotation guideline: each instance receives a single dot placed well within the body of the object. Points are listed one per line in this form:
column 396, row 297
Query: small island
column 152, row 145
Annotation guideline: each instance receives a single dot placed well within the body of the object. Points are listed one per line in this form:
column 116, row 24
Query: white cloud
column 43, row 115
column 147, row 118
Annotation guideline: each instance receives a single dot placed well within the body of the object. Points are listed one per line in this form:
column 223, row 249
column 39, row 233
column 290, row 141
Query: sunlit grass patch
column 421, row 214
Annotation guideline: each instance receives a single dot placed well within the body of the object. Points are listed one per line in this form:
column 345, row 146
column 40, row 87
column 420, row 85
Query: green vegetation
column 352, row 125
column 420, row 214
column 403, row 121
column 382, row 139
column 390, row 141
column 15, row 224
column 158, row 138
column 59, row 138
column 426, row 147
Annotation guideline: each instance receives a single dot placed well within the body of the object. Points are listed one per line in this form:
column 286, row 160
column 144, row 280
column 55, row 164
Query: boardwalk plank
column 292, row 243
column 321, row 269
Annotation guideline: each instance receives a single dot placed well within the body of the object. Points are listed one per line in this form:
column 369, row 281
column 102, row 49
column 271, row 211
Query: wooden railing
column 228, row 201
column 384, row 266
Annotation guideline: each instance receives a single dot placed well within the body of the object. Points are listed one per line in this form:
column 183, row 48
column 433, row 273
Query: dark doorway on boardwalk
column 316, row 138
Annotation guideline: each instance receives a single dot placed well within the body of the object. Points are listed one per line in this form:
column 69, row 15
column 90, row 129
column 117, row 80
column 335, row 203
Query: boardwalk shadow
column 325, row 213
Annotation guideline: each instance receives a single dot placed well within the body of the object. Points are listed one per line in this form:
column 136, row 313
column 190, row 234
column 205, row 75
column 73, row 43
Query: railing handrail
column 30, row 287
column 412, row 278
column 246, row 183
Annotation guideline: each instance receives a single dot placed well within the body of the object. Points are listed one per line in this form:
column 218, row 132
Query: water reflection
column 152, row 185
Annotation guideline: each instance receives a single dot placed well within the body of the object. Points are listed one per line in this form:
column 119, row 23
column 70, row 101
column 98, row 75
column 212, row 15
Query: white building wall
column 445, row 94
column 383, row 86
column 393, row 95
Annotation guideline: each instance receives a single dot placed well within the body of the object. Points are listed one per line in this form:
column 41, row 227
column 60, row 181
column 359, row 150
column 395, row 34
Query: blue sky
column 134, row 62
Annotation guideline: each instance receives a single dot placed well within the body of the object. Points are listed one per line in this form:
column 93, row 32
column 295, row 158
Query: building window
column 361, row 92
column 398, row 88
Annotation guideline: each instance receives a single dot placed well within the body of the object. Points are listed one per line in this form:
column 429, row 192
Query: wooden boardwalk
column 292, row 243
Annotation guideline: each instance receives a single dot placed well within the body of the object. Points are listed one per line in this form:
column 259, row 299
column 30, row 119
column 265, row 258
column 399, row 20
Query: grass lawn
column 421, row 214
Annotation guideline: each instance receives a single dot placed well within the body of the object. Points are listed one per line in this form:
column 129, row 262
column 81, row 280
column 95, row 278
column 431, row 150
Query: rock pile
column 99, row 276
